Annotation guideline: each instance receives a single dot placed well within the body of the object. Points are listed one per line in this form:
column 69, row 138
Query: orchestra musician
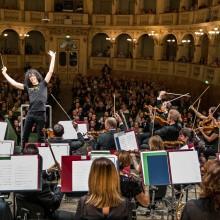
column 186, row 137
column 46, row 201
column 105, row 141
column 131, row 186
column 207, row 207
column 58, row 131
column 104, row 200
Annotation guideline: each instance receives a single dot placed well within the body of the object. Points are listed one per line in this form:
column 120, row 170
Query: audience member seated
column 131, row 185
column 5, row 212
column 45, row 201
column 207, row 207
column 104, row 200
column 58, row 131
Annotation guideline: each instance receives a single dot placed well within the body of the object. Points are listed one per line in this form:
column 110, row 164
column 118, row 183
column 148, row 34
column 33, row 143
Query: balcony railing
column 184, row 70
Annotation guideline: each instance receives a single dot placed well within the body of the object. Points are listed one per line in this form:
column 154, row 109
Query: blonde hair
column 174, row 115
column 156, row 143
column 104, row 184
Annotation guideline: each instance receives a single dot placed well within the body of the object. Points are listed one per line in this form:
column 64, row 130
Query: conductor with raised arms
column 36, row 88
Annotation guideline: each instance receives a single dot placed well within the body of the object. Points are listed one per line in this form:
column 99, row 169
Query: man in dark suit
column 106, row 140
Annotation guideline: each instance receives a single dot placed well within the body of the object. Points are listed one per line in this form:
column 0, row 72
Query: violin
column 172, row 144
column 161, row 121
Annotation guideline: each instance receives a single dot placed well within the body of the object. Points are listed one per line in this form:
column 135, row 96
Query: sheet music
column 128, row 141
column 7, row 147
column 19, row 173
column 59, row 150
column 111, row 157
column 80, row 175
column 3, row 127
column 82, row 128
column 69, row 130
column 184, row 167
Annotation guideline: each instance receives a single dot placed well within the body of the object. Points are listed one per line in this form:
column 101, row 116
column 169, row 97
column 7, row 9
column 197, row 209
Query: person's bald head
column 110, row 123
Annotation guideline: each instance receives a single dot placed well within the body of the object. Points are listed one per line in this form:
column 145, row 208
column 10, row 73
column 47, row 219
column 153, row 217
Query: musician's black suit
column 5, row 212
column 45, row 201
column 106, row 140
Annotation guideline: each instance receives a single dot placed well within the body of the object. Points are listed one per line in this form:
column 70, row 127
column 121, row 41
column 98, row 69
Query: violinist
column 186, row 136
column 105, row 141
column 131, row 186
column 58, row 131
column 170, row 132
column 211, row 141
column 206, row 120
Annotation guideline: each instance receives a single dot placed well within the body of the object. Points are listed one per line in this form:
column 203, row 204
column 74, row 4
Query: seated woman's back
column 86, row 211
column 104, row 200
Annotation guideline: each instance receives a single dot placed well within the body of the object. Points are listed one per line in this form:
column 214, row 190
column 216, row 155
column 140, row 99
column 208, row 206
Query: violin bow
column 200, row 95
column 54, row 158
column 2, row 60
column 197, row 108
column 187, row 94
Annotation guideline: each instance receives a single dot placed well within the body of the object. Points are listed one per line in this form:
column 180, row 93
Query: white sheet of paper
column 59, row 150
column 7, row 147
column 19, row 173
column 111, row 157
column 80, row 175
column 184, row 166
column 82, row 128
column 128, row 141
column 69, row 130
column 3, row 127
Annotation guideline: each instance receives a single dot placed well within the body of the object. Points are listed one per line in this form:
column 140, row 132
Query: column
column 49, row 5
column 88, row 6
column 158, row 49
column 197, row 54
column 21, row 5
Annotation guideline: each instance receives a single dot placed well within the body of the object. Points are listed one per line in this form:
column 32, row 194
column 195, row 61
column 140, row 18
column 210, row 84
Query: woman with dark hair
column 208, row 206
column 36, row 88
column 104, row 200
column 131, row 186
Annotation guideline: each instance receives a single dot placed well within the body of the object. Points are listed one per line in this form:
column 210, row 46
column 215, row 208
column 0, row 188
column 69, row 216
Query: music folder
column 75, row 173
column 155, row 168
column 126, row 141
column 173, row 167
column 20, row 173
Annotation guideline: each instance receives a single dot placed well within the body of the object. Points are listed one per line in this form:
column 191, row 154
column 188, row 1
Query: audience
column 104, row 200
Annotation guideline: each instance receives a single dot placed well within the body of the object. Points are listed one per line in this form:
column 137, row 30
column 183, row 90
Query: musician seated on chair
column 58, row 131
column 207, row 207
column 106, row 140
column 45, row 201
column 131, row 185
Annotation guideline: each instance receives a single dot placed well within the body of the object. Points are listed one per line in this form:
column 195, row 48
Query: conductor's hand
column 52, row 53
column 4, row 69
column 118, row 118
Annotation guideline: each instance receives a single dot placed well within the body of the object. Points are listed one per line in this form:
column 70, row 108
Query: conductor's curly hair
column 210, row 187
column 29, row 73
